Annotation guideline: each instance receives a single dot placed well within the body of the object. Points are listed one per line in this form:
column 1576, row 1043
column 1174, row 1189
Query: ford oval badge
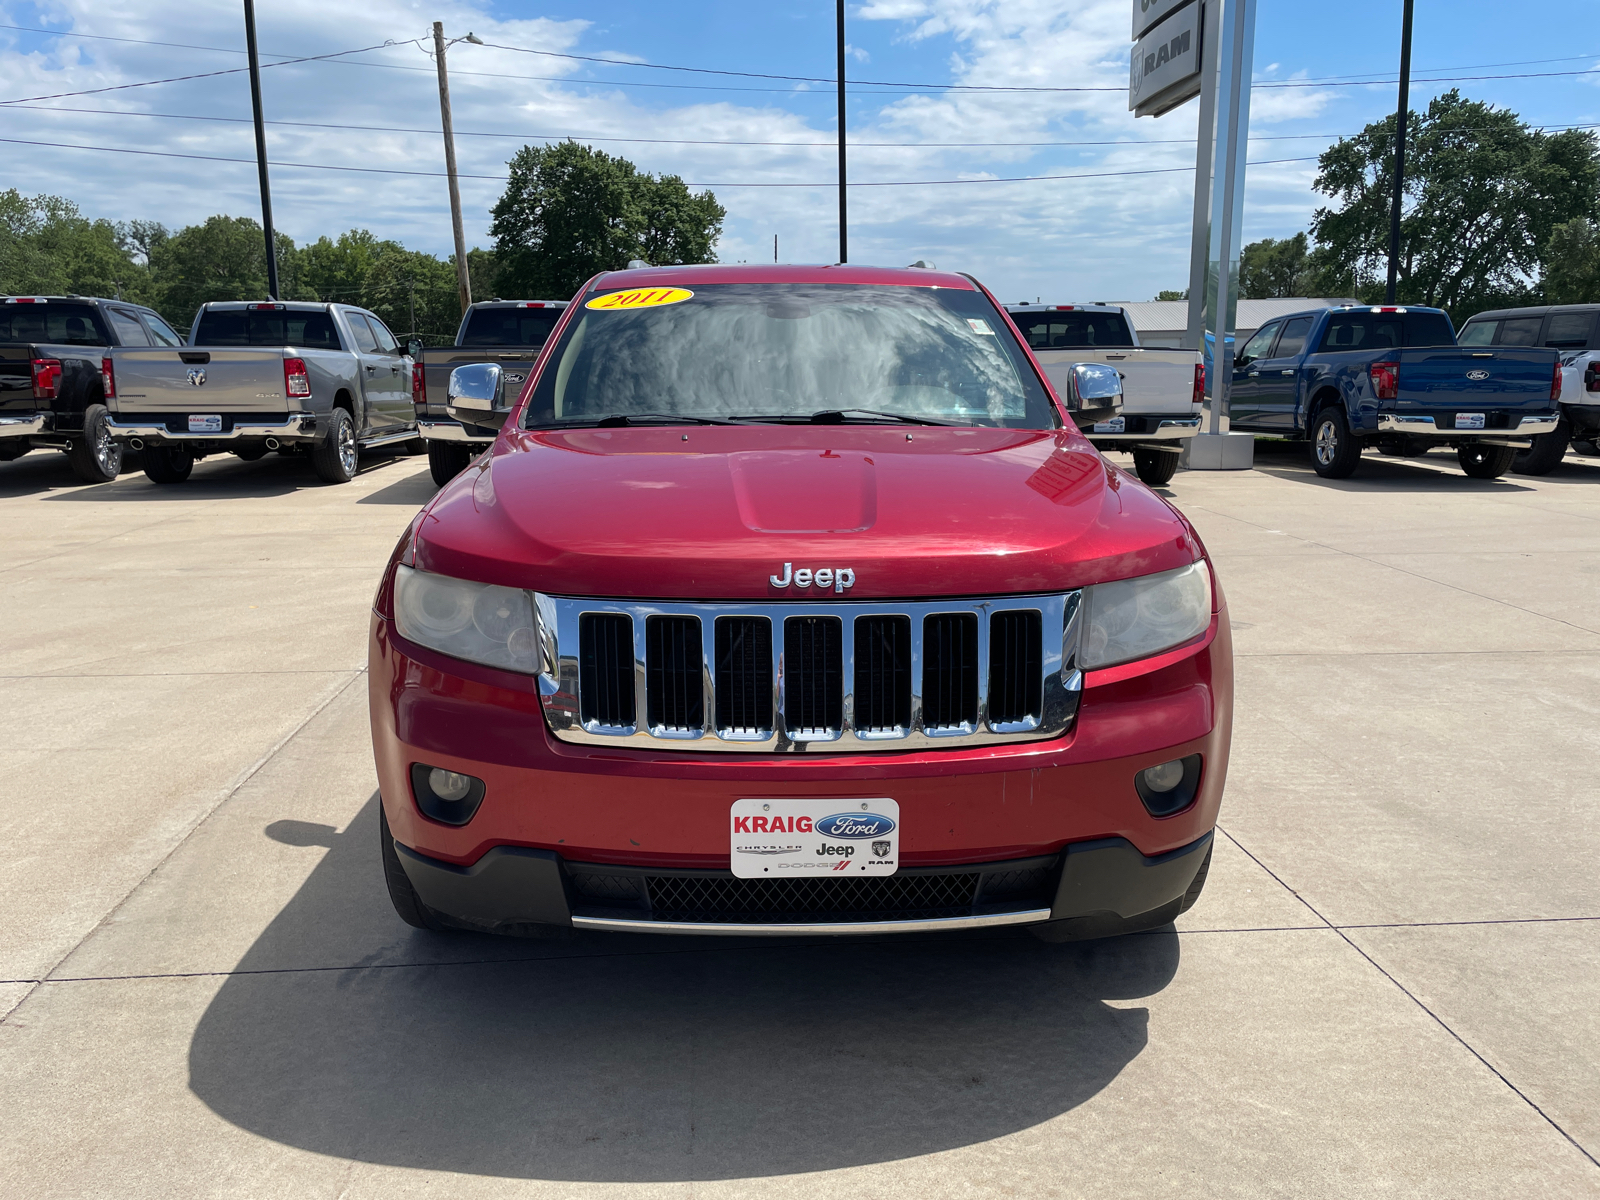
column 854, row 825
column 1478, row 374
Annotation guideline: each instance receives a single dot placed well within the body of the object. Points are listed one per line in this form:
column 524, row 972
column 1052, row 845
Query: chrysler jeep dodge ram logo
column 838, row 578
column 854, row 825
column 197, row 377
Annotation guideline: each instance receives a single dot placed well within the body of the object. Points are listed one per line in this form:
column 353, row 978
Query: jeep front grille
column 826, row 676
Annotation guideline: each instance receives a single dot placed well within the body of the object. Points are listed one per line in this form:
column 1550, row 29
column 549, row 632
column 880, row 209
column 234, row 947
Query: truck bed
column 1153, row 381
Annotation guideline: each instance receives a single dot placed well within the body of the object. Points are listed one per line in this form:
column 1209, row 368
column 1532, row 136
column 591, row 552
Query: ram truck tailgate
column 200, row 380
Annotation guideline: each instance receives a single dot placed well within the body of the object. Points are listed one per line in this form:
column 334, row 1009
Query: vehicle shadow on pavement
column 1378, row 473
column 413, row 491
column 634, row 1059
column 222, row 477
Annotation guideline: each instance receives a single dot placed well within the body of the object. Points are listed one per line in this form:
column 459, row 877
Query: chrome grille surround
column 1062, row 681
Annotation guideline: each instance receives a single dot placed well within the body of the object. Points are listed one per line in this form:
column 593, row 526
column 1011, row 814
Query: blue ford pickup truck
column 1392, row 378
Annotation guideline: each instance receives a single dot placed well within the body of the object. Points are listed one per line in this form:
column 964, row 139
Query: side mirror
column 474, row 396
column 414, row 348
column 1094, row 386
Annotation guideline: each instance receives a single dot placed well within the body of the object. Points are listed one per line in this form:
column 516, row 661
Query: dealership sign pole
column 1205, row 48
column 261, row 147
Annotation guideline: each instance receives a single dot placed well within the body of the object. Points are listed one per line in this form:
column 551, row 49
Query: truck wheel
column 1334, row 450
column 1546, row 453
column 1155, row 467
column 1486, row 462
column 334, row 457
column 402, row 895
column 1199, row 883
column 446, row 460
column 167, row 464
column 95, row 458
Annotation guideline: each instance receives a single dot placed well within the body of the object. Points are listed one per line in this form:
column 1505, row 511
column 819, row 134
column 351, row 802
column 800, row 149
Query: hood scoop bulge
column 805, row 491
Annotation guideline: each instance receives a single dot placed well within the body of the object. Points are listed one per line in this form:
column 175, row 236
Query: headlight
column 1135, row 618
column 479, row 622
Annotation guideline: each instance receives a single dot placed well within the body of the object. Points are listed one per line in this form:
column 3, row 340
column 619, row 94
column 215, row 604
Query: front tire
column 167, row 464
column 446, row 460
column 407, row 904
column 1335, row 452
column 95, row 458
column 1546, row 453
column 1486, row 462
column 334, row 457
column 1155, row 467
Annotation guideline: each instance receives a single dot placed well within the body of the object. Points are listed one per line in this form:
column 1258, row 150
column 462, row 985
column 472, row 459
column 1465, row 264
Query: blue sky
column 1113, row 237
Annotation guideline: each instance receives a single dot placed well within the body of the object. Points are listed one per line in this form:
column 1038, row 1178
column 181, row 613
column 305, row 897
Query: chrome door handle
column 1286, row 372
column 1252, row 374
column 372, row 370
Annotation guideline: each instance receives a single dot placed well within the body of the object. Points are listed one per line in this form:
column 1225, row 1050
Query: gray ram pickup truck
column 327, row 380
column 508, row 332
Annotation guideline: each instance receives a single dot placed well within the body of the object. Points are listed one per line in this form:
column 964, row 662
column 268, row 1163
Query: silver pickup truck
column 327, row 380
column 508, row 332
column 1162, row 389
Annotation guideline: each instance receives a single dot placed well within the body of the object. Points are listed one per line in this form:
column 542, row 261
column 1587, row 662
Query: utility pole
column 844, row 245
column 774, row 248
column 463, row 279
column 261, row 147
column 1399, row 152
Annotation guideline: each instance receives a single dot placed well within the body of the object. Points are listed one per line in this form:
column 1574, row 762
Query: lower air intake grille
column 813, row 666
column 906, row 897
column 950, row 671
column 744, row 676
column 883, row 674
column 1015, row 684
column 605, row 670
column 675, row 687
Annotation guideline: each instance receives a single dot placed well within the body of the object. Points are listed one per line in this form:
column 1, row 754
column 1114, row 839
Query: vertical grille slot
column 674, row 688
column 950, row 671
column 744, row 677
column 1015, row 684
column 883, row 676
column 605, row 670
column 813, row 677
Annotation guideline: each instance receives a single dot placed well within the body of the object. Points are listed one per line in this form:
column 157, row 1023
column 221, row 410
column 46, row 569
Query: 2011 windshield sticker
column 641, row 298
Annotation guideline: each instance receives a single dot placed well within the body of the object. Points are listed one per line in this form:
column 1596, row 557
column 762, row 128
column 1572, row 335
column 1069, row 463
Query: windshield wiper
column 614, row 420
column 837, row 416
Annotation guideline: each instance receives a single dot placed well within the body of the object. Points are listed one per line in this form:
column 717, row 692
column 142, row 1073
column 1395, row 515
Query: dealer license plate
column 205, row 422
column 1115, row 425
column 1469, row 420
column 787, row 839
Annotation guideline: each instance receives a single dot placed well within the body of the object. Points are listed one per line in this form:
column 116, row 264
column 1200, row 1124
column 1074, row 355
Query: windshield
column 61, row 324
column 789, row 352
column 510, row 326
column 285, row 327
column 1073, row 330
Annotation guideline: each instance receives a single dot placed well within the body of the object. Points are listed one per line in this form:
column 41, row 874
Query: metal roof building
column 1166, row 322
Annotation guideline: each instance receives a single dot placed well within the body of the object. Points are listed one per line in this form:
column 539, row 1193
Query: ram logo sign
column 1164, row 70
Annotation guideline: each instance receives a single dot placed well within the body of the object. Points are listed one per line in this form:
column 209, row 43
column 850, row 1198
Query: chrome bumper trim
column 450, row 431
column 26, row 426
column 1030, row 916
column 1425, row 426
column 1169, row 429
column 296, row 427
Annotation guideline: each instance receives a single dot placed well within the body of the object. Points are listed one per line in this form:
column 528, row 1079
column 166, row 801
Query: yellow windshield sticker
column 641, row 298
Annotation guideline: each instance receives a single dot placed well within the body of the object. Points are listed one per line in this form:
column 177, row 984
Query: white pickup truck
column 1161, row 389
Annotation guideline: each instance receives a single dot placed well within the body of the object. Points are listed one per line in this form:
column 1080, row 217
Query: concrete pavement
column 1387, row 988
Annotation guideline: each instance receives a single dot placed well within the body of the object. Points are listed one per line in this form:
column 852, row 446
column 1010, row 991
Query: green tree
column 48, row 246
column 1484, row 193
column 224, row 258
column 1169, row 294
column 570, row 211
column 1272, row 267
column 1572, row 263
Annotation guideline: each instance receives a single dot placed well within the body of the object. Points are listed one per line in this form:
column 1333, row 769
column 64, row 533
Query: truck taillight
column 295, row 382
column 1199, row 384
column 1591, row 377
column 108, row 379
column 1555, row 381
column 1385, row 379
column 419, row 385
column 46, row 378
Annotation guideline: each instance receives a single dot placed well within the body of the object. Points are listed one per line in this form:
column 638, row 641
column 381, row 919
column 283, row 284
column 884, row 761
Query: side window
column 1258, row 345
column 362, row 333
column 1478, row 333
column 1294, row 338
column 160, row 331
column 1520, row 331
column 1569, row 330
column 127, row 328
column 386, row 342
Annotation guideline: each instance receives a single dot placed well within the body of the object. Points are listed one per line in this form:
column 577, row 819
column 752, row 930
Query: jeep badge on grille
column 839, row 578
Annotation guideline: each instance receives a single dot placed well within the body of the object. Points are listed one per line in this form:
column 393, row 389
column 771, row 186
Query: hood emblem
column 197, row 377
column 1478, row 374
column 840, row 579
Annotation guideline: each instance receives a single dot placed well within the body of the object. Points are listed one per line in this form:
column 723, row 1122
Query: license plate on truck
column 788, row 839
column 205, row 422
column 1114, row 425
column 1469, row 420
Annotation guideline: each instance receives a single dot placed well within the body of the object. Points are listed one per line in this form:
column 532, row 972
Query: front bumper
column 294, row 427
column 1145, row 428
column 23, row 425
column 434, row 430
column 1414, row 425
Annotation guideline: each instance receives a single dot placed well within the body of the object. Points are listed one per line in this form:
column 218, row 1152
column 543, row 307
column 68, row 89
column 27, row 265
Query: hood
column 716, row 513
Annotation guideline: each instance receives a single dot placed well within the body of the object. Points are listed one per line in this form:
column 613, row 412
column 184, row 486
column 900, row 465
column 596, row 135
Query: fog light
column 1169, row 787
column 446, row 796
column 450, row 785
column 1158, row 779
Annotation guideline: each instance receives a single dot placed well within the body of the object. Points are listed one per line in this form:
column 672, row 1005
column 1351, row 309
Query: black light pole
column 1399, row 152
column 261, row 147
column 844, row 244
